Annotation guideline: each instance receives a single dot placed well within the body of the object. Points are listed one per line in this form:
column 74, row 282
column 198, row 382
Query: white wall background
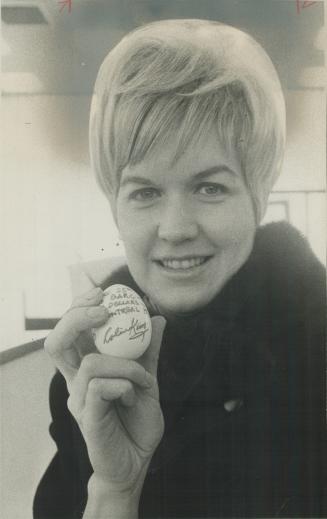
column 26, row 447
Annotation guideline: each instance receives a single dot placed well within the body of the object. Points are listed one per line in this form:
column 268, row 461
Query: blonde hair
column 185, row 76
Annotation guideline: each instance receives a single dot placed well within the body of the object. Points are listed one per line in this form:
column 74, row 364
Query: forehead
column 201, row 154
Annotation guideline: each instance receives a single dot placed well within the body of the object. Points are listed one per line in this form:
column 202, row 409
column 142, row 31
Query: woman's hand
column 115, row 401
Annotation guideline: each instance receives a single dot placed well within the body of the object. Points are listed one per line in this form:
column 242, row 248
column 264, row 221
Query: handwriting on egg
column 135, row 330
column 124, row 302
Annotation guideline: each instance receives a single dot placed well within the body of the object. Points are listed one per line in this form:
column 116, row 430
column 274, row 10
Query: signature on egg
column 135, row 330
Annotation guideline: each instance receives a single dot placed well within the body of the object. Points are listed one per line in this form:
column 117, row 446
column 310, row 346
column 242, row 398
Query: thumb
column 150, row 358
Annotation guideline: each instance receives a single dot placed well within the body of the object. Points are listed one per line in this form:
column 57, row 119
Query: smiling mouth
column 184, row 263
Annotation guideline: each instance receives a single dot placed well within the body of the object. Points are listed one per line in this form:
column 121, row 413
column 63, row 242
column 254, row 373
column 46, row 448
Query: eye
column 211, row 189
column 145, row 194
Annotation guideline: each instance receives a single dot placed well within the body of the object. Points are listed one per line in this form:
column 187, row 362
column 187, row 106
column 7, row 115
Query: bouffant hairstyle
column 187, row 76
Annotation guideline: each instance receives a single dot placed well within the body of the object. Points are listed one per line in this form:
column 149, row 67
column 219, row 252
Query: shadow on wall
column 26, row 445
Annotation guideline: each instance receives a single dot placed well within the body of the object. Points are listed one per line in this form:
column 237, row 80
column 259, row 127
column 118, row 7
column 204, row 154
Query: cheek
column 135, row 231
column 242, row 231
column 234, row 227
column 230, row 220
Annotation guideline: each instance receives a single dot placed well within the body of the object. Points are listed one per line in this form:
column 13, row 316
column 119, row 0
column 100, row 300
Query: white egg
column 127, row 333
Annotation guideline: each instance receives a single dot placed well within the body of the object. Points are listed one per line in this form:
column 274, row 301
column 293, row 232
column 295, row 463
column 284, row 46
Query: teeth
column 183, row 264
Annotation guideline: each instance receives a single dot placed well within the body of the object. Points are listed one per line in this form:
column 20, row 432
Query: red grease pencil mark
column 64, row 3
column 302, row 5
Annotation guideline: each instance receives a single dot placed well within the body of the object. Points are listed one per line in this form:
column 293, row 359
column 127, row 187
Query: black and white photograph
column 163, row 259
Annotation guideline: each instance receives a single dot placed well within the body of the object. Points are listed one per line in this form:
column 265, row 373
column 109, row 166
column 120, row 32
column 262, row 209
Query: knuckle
column 70, row 317
column 89, row 363
column 137, row 372
column 76, row 302
column 86, row 297
column 133, row 368
column 129, row 388
column 73, row 317
column 95, row 386
column 76, row 299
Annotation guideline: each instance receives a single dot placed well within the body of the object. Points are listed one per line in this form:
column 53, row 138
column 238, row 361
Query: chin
column 182, row 306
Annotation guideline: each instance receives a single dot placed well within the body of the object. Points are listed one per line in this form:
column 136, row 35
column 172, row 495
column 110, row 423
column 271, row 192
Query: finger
column 96, row 365
column 150, row 358
column 100, row 395
column 86, row 344
column 60, row 344
column 90, row 298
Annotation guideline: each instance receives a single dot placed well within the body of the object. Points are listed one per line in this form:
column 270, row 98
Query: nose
column 177, row 222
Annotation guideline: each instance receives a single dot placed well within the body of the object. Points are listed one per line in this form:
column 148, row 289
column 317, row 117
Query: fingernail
column 97, row 312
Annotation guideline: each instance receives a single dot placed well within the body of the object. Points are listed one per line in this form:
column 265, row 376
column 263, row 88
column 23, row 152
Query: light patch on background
column 23, row 83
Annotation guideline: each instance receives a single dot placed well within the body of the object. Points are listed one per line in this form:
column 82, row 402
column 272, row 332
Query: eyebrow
column 221, row 168
column 134, row 179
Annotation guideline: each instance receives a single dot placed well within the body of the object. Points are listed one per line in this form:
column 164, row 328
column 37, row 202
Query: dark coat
column 261, row 342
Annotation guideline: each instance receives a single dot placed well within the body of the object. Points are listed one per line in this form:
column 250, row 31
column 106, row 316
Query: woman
column 187, row 135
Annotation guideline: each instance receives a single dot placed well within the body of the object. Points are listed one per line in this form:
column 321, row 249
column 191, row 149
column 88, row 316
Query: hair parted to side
column 187, row 76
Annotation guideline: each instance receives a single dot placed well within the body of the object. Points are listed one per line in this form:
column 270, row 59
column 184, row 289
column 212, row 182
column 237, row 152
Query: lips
column 183, row 263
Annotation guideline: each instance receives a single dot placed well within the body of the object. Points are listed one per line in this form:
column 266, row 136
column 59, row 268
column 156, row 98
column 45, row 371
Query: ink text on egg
column 135, row 330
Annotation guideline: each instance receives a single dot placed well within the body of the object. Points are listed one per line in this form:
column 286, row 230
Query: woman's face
column 188, row 227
